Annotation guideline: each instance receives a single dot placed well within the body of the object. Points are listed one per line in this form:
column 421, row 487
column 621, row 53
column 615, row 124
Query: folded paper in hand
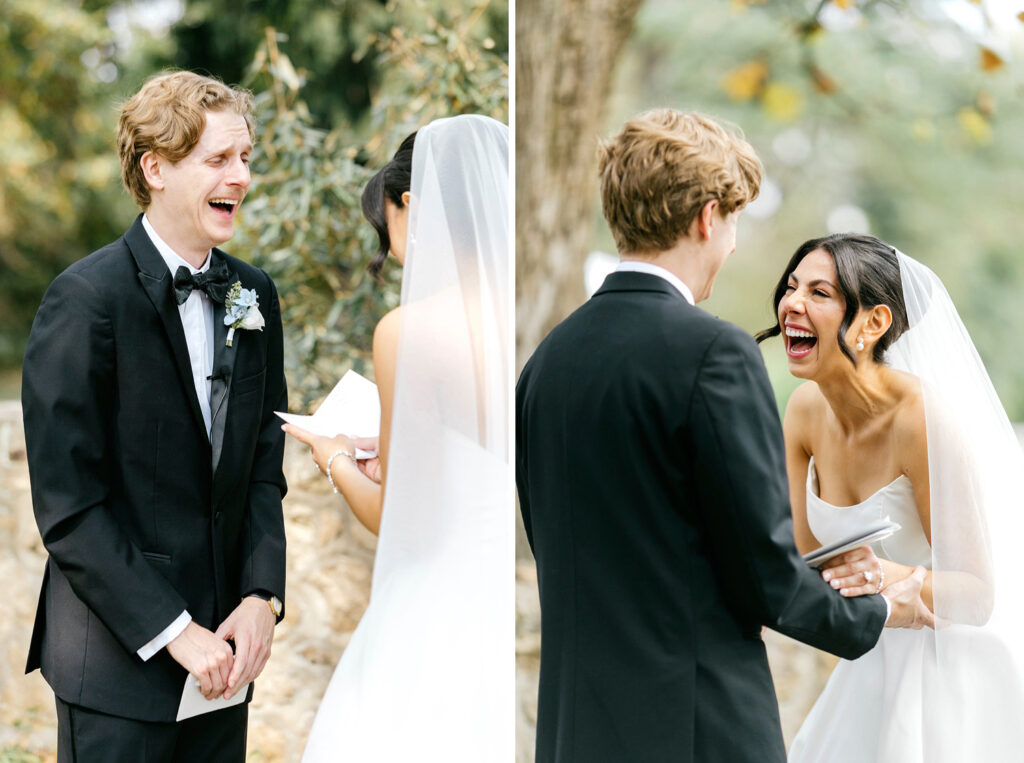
column 194, row 703
column 352, row 408
column 879, row 530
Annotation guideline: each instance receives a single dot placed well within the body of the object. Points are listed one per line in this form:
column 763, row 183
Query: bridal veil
column 973, row 703
column 429, row 672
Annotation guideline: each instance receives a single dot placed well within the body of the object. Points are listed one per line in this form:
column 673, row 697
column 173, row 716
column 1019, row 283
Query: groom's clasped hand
column 209, row 656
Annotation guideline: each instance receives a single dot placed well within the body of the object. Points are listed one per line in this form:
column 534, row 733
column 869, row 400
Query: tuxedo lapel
column 223, row 367
column 156, row 280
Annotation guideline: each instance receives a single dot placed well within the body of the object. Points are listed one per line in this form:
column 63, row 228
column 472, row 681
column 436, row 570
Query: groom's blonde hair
column 662, row 168
column 168, row 116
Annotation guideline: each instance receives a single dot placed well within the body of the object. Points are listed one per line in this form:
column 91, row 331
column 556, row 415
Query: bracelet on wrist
column 330, row 462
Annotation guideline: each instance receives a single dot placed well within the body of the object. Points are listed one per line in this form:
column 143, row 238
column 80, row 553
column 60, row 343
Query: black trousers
column 88, row 736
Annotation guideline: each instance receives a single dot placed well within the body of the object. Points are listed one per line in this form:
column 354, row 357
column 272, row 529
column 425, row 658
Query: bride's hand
column 856, row 573
column 323, row 447
column 369, row 466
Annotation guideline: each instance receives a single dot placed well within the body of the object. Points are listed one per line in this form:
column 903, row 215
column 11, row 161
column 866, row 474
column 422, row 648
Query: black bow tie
column 214, row 282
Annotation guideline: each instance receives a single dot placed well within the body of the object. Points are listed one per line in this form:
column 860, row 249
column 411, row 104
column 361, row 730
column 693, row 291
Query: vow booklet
column 194, row 703
column 879, row 530
column 352, row 408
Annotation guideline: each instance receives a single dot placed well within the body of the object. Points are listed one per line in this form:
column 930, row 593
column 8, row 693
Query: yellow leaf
column 923, row 130
column 782, row 102
column 990, row 60
column 745, row 81
column 975, row 125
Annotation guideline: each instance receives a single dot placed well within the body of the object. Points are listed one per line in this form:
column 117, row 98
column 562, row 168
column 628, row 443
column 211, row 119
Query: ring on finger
column 868, row 576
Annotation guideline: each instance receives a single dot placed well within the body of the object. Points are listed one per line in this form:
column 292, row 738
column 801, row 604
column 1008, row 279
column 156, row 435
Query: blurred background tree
column 901, row 118
column 339, row 83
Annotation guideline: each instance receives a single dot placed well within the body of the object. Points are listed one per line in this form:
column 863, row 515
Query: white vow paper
column 194, row 703
column 352, row 408
column 877, row 531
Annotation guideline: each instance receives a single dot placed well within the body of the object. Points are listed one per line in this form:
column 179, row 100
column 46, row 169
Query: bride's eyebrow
column 815, row 282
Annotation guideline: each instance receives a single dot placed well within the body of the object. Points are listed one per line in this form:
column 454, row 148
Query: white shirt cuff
column 888, row 608
column 166, row 636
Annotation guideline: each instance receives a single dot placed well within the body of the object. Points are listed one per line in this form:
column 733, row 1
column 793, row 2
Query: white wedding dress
column 429, row 673
column 892, row 705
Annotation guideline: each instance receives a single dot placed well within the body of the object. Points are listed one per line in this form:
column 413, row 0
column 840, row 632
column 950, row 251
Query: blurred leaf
column 745, row 81
column 978, row 129
column 990, row 60
column 782, row 102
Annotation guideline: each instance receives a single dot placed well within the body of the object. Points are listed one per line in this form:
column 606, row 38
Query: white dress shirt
column 197, row 320
column 638, row 266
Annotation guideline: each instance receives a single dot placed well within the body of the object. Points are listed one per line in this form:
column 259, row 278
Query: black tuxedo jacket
column 651, row 476
column 143, row 514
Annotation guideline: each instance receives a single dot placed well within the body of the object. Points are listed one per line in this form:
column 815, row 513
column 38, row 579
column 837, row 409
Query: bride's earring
column 860, row 344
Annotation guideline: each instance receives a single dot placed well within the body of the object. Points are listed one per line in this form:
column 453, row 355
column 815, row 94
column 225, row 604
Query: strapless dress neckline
column 895, row 501
column 814, row 488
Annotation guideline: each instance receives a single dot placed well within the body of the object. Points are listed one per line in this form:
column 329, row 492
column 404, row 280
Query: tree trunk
column 565, row 57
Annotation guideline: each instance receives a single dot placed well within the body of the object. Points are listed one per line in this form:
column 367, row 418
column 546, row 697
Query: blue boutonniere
column 242, row 311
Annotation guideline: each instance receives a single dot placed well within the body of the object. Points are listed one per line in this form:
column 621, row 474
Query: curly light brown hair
column 168, row 116
column 662, row 168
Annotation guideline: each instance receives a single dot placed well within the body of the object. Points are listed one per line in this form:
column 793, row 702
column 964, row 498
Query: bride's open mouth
column 799, row 342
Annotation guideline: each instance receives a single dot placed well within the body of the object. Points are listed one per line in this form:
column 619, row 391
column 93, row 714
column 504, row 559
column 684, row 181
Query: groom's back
column 633, row 625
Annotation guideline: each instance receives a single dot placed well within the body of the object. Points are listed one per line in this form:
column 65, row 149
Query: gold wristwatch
column 275, row 606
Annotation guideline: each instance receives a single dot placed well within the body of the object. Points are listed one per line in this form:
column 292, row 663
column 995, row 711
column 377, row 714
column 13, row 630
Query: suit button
column 217, row 516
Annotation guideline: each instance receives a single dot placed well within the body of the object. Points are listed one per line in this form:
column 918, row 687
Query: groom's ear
column 152, row 170
column 706, row 219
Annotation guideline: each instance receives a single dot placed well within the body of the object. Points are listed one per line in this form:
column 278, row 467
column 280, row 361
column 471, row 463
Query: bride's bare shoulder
column 804, row 411
column 806, row 401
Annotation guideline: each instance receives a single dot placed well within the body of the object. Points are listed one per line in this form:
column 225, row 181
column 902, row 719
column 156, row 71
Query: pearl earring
column 860, row 344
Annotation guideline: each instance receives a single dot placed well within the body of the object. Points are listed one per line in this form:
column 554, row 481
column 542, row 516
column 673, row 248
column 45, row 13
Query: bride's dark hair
column 868, row 272
column 393, row 179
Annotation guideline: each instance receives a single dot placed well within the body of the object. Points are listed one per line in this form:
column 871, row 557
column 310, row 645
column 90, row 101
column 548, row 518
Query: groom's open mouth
column 224, row 207
column 799, row 342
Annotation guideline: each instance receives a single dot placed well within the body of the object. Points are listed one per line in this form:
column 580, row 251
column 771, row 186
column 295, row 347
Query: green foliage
column 369, row 73
column 302, row 219
column 59, row 186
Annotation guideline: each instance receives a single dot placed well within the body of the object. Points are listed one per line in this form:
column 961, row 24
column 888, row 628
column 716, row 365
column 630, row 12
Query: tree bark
column 565, row 58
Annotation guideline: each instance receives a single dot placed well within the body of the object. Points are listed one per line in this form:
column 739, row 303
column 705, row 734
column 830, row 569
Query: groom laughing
column 651, row 475
column 153, row 452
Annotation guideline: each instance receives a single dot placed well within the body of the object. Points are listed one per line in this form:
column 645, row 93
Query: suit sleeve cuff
column 166, row 636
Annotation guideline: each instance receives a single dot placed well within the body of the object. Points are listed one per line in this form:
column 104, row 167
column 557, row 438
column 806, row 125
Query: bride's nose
column 791, row 303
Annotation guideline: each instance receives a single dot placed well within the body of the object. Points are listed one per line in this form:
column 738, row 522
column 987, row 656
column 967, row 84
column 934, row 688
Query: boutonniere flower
column 241, row 311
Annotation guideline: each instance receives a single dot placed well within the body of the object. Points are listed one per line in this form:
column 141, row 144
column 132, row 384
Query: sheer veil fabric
column 972, row 703
column 429, row 672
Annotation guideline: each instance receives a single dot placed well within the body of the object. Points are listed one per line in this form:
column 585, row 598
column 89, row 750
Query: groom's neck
column 684, row 261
